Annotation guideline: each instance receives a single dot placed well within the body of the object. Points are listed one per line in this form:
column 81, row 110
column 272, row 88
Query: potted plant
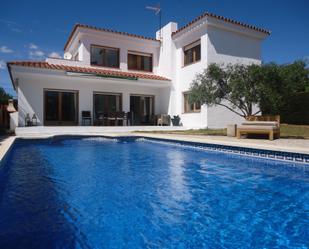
column 176, row 120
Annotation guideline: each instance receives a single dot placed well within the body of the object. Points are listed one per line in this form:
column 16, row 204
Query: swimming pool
column 120, row 193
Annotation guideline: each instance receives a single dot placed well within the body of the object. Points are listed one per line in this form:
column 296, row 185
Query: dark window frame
column 141, row 54
column 105, row 47
column 196, row 57
column 107, row 94
column 59, row 92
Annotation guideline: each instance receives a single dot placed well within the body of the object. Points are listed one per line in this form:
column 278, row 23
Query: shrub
column 296, row 109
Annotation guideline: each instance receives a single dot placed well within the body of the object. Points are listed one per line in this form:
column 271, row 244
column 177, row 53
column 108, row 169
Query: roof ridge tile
column 77, row 25
column 226, row 19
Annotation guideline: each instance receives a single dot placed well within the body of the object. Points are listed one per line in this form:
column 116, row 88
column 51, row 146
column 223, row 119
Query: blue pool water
column 100, row 193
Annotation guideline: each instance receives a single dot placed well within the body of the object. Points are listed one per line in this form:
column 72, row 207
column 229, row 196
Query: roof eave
column 70, row 37
column 108, row 74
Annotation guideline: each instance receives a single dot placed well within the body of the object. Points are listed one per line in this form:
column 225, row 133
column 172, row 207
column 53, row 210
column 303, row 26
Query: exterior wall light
column 34, row 120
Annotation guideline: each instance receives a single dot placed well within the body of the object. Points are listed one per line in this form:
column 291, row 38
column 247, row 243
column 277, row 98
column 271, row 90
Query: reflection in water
column 177, row 177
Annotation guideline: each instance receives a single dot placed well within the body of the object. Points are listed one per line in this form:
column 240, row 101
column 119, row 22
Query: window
column 140, row 61
column 142, row 109
column 194, row 107
column 107, row 102
column 60, row 107
column 192, row 52
column 104, row 56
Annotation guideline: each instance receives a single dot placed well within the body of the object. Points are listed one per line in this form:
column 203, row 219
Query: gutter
column 71, row 73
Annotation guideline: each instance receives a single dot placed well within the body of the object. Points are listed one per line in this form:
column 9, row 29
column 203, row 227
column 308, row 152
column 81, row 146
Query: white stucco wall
column 166, row 61
column 13, row 121
column 31, row 88
column 221, row 42
column 86, row 38
column 224, row 47
column 218, row 45
column 185, row 75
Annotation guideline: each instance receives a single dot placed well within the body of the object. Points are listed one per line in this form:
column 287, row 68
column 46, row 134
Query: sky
column 33, row 30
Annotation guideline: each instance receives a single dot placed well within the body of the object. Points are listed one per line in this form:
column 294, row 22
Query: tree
column 279, row 83
column 233, row 87
column 4, row 96
column 270, row 86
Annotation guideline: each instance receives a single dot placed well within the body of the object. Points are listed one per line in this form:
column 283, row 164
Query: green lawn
column 214, row 132
column 287, row 131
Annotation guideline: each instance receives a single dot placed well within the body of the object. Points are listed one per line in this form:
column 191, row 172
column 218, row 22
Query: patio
column 287, row 145
column 45, row 131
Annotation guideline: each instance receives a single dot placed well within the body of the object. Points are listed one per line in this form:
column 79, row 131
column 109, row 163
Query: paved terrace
column 289, row 145
column 46, row 131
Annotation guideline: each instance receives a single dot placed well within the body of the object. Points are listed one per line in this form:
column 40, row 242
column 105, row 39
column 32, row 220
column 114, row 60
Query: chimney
column 11, row 107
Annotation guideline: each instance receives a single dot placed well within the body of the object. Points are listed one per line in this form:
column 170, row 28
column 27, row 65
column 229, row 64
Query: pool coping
column 284, row 156
column 238, row 143
column 5, row 146
column 292, row 155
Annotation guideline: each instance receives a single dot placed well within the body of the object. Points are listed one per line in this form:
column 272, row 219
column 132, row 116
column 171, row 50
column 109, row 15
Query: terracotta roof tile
column 223, row 19
column 90, row 70
column 78, row 25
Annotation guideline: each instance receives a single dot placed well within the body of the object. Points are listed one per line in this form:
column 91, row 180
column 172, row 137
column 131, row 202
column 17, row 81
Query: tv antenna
column 157, row 10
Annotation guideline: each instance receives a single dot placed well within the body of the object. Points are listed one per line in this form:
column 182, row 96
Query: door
column 142, row 107
column 60, row 107
column 105, row 103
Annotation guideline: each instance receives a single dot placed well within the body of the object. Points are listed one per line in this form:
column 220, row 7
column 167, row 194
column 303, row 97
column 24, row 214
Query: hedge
column 296, row 109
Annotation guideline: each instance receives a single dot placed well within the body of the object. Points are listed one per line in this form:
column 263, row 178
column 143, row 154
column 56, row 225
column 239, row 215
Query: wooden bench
column 267, row 124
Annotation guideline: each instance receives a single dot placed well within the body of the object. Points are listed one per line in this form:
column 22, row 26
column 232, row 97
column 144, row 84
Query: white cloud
column 6, row 50
column 2, row 64
column 13, row 26
column 17, row 30
column 55, row 55
column 33, row 46
column 36, row 54
column 8, row 22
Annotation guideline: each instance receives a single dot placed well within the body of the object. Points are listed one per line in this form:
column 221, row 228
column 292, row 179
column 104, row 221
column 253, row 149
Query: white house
column 106, row 71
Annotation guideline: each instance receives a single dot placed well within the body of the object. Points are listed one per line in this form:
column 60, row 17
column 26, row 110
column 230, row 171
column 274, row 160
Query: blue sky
column 35, row 29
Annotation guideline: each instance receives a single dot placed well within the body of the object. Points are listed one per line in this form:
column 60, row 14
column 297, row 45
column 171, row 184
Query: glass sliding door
column 51, row 106
column 60, row 107
column 142, row 107
column 68, row 107
column 106, row 103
